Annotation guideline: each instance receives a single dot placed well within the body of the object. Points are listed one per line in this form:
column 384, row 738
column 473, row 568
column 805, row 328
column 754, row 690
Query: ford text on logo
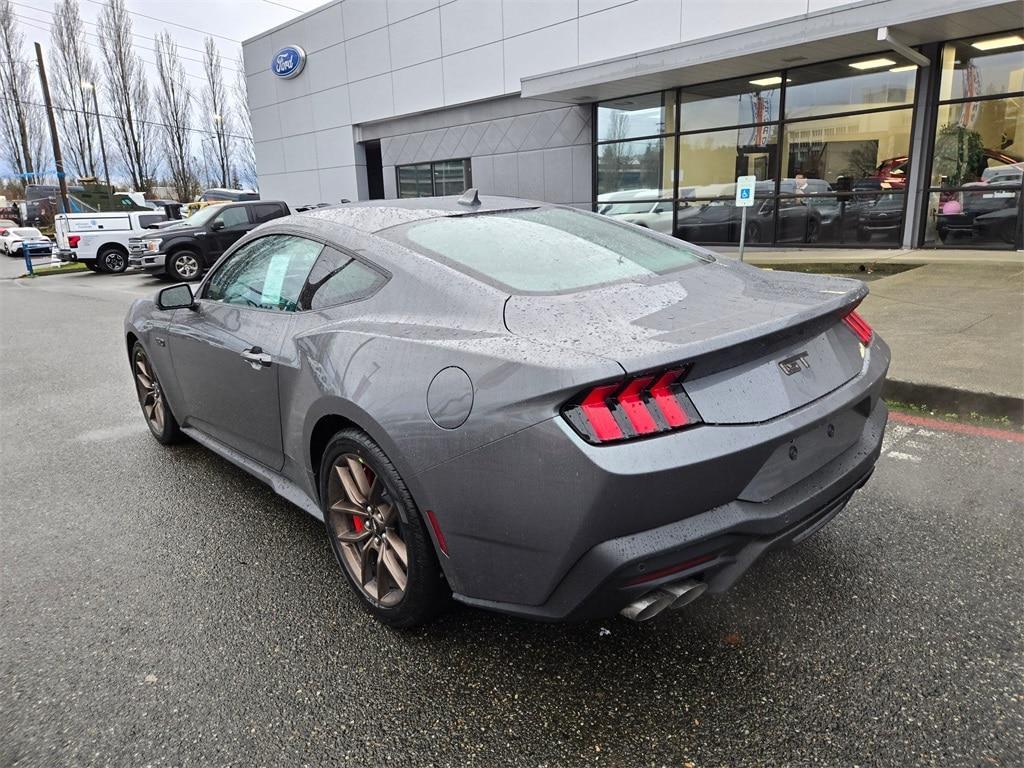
column 288, row 62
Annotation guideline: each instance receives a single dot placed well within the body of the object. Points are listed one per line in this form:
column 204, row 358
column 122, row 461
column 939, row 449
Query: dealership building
column 875, row 123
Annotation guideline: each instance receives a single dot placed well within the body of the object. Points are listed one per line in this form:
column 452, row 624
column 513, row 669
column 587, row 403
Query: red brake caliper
column 357, row 522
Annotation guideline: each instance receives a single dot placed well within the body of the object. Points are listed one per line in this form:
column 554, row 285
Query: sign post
column 744, row 199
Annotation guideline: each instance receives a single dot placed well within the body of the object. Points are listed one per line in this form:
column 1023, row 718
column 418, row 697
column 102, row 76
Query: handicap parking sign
column 745, row 190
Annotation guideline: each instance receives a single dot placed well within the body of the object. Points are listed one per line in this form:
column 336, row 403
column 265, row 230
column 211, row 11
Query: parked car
column 544, row 411
column 956, row 217
column 718, row 221
column 231, row 195
column 186, row 249
column 100, row 240
column 16, row 241
column 633, row 208
column 883, row 217
column 1002, row 225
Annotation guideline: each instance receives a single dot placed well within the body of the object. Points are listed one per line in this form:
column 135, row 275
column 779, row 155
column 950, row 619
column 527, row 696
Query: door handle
column 257, row 358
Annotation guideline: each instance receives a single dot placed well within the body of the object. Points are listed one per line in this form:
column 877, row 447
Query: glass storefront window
column 711, row 161
column 978, row 141
column 744, row 101
column 868, row 150
column 976, row 68
column 840, row 86
column 643, row 168
column 445, row 177
column 649, row 115
column 987, row 215
column 415, row 181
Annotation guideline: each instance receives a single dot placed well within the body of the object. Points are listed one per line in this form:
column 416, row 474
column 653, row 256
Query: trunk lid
column 732, row 323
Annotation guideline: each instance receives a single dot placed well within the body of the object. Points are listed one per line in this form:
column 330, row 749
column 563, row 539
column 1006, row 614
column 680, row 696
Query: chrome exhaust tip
column 648, row 606
column 684, row 592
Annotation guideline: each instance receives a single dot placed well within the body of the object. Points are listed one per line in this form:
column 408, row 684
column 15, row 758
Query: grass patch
column 58, row 269
column 918, row 409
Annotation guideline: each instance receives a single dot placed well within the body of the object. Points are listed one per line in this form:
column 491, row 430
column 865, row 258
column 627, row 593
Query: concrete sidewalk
column 868, row 256
column 957, row 336
column 955, row 322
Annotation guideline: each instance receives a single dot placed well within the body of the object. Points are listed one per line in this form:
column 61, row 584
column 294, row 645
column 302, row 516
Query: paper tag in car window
column 275, row 279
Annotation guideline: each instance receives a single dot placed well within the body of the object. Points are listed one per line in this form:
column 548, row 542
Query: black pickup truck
column 183, row 251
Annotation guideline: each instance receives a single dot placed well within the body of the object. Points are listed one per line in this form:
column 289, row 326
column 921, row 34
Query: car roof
column 375, row 215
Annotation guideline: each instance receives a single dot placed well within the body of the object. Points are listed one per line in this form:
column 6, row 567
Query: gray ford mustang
column 537, row 410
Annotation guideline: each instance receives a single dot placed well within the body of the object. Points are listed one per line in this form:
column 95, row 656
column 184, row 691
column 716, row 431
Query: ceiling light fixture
column 904, row 68
column 873, row 63
column 994, row 43
column 767, row 81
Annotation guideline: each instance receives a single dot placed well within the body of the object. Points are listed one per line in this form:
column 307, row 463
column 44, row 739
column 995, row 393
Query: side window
column 267, row 273
column 263, row 213
column 234, row 217
column 336, row 279
column 152, row 218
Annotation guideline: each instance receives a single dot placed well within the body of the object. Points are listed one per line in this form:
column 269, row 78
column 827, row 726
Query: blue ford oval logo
column 288, row 62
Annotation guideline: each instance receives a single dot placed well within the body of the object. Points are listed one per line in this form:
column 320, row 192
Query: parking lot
column 160, row 607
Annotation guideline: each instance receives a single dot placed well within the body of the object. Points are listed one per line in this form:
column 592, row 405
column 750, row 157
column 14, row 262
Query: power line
column 156, row 123
column 172, row 23
column 98, row 47
column 51, row 24
column 94, row 24
column 282, row 5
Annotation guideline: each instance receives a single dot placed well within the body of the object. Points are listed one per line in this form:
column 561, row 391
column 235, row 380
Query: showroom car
column 533, row 409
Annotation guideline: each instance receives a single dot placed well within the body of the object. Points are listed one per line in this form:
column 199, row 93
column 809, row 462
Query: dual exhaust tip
column 670, row 596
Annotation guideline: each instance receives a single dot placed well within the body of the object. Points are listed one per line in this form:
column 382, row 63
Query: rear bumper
column 722, row 543
column 541, row 525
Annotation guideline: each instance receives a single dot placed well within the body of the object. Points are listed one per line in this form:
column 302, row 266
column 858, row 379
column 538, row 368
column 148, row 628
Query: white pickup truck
column 100, row 240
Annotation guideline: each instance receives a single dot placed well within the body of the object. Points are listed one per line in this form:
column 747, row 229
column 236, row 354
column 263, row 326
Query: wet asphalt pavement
column 159, row 607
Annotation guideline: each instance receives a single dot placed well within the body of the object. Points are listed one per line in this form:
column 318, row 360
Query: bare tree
column 22, row 136
column 174, row 104
column 245, row 155
column 72, row 76
column 218, row 112
column 129, row 94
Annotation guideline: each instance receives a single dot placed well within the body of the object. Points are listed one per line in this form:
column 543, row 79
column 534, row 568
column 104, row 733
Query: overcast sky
column 230, row 21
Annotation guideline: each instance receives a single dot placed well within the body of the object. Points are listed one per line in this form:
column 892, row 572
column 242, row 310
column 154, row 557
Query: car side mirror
column 176, row 297
column 217, row 225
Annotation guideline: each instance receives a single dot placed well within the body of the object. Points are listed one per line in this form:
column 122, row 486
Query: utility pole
column 99, row 127
column 58, row 161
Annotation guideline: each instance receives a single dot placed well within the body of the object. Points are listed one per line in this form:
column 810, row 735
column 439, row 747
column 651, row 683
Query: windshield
column 201, row 217
column 544, row 250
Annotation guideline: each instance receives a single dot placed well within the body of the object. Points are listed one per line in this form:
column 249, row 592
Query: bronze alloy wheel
column 150, row 396
column 364, row 521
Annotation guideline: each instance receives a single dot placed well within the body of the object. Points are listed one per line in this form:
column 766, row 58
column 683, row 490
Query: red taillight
column 599, row 415
column 666, row 399
column 859, row 326
column 73, row 240
column 644, row 405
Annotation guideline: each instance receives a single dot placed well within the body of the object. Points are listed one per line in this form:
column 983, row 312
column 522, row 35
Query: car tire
column 112, row 261
column 155, row 408
column 385, row 535
column 184, row 266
